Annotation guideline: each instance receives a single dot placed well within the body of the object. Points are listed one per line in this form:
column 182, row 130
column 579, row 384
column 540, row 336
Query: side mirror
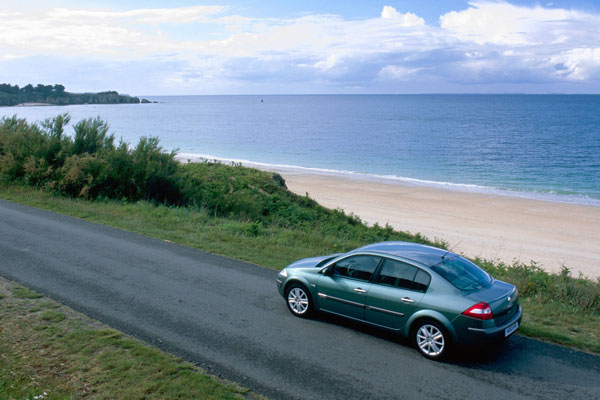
column 327, row 271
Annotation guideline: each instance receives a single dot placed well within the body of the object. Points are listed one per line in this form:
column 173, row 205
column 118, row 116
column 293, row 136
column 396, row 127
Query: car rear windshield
column 463, row 274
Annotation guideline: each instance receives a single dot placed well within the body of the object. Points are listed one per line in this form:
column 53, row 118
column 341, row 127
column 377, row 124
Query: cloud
column 396, row 72
column 408, row 19
column 502, row 23
column 533, row 43
column 486, row 44
column 180, row 15
column 577, row 64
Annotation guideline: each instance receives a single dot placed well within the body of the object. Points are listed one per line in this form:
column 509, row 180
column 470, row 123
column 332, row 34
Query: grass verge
column 49, row 351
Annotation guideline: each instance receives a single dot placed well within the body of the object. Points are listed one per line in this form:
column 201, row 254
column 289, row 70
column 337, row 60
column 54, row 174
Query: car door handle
column 360, row 290
column 405, row 299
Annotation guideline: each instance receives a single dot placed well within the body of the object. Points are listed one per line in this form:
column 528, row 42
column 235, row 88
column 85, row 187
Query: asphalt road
column 228, row 317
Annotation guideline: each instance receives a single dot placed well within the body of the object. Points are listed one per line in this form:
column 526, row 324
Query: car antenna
column 448, row 251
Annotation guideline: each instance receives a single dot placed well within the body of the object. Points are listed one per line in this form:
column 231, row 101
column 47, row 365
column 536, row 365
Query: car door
column 343, row 288
column 395, row 294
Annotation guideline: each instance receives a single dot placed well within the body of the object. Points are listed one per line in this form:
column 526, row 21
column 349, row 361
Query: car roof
column 420, row 253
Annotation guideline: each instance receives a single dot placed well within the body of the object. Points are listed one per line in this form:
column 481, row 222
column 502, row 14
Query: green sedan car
column 433, row 296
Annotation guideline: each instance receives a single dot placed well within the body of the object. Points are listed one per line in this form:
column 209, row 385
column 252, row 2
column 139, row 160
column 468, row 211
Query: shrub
column 91, row 136
column 88, row 164
column 82, row 176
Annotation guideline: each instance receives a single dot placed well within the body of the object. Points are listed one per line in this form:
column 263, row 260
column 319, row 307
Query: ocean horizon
column 544, row 147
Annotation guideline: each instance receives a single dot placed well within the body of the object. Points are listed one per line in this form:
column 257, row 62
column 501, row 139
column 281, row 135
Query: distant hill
column 55, row 94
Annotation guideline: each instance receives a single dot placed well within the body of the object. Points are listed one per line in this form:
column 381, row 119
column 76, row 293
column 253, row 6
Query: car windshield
column 326, row 260
column 462, row 273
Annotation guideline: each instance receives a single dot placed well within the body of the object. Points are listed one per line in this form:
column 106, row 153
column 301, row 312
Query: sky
column 303, row 46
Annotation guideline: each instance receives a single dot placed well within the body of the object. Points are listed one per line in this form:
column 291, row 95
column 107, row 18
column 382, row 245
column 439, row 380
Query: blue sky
column 242, row 47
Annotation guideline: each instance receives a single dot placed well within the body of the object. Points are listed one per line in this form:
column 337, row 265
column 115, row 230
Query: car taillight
column 479, row 311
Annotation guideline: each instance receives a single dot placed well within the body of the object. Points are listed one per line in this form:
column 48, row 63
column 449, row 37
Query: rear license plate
column 511, row 329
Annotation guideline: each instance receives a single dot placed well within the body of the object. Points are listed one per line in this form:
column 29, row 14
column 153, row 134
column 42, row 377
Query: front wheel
column 432, row 340
column 298, row 300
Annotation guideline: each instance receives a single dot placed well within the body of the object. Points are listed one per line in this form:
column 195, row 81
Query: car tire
column 298, row 300
column 432, row 339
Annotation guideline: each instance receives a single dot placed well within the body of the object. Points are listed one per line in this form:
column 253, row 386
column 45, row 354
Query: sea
column 543, row 147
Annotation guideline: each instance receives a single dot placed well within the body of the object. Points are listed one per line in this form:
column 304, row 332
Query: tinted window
column 462, row 273
column 421, row 282
column 357, row 267
column 396, row 273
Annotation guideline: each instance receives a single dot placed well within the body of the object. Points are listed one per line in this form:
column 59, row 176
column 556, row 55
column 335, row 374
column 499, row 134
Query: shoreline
column 486, row 225
column 399, row 180
column 32, row 105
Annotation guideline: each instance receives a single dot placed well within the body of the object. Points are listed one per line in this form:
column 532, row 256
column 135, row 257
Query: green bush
column 91, row 136
column 87, row 165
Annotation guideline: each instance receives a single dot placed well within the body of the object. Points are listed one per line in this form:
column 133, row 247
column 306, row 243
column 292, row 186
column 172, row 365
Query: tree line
column 11, row 95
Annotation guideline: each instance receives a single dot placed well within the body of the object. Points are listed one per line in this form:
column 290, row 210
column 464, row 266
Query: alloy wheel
column 430, row 340
column 298, row 301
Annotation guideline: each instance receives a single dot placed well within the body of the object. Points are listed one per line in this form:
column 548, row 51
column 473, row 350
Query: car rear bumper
column 471, row 335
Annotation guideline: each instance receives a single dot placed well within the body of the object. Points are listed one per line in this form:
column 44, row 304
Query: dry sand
column 475, row 224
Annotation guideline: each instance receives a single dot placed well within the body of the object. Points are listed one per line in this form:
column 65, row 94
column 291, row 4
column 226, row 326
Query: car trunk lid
column 502, row 299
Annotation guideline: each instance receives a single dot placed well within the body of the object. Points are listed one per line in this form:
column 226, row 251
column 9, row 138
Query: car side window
column 356, row 267
column 421, row 282
column 397, row 274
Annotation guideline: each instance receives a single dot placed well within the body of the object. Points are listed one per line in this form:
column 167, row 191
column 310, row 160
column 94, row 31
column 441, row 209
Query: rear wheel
column 298, row 300
column 431, row 339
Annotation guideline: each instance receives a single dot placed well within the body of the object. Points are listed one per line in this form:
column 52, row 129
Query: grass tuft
column 21, row 292
column 52, row 316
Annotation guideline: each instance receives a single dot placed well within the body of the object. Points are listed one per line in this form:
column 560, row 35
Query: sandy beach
column 34, row 105
column 475, row 224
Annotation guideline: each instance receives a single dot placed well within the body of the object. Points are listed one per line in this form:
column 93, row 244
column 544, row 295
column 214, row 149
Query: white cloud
column 487, row 42
column 180, row 15
column 407, row 19
column 502, row 23
column 327, row 64
column 10, row 56
column 396, row 72
column 577, row 64
column 551, row 44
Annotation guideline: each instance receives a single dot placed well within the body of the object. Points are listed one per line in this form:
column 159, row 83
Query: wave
column 391, row 179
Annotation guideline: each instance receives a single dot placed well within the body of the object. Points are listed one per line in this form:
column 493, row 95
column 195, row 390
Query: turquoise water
column 545, row 146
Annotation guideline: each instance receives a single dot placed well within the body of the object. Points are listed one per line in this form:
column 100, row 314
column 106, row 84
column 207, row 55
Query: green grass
column 52, row 316
column 558, row 323
column 24, row 293
column 557, row 307
column 49, row 350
